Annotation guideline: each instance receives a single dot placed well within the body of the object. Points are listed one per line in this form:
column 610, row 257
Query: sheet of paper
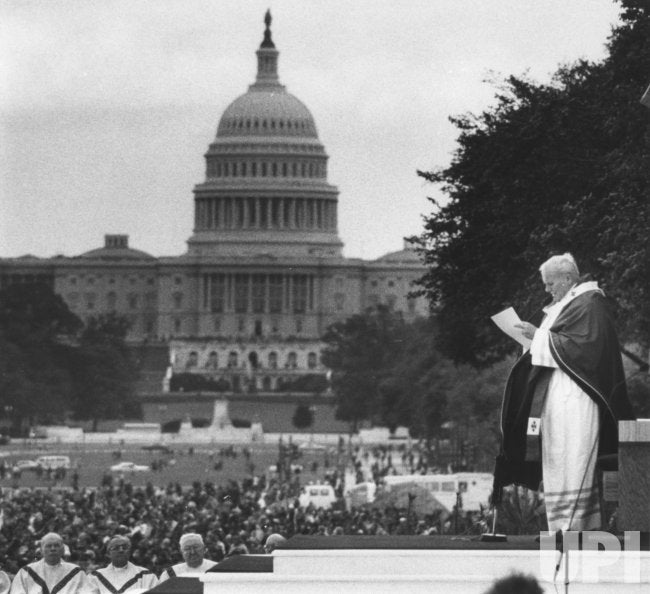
column 506, row 321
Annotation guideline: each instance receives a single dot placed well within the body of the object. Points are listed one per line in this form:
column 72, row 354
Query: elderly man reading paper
column 563, row 399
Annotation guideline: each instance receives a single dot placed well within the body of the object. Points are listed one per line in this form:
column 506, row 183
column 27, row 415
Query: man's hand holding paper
column 508, row 321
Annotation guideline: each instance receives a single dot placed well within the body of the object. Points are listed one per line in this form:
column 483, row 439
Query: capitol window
column 273, row 360
column 213, row 360
column 312, row 361
column 259, row 293
column 178, row 300
column 241, row 293
column 192, row 360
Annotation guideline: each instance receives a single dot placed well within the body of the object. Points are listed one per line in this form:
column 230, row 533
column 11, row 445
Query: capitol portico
column 264, row 274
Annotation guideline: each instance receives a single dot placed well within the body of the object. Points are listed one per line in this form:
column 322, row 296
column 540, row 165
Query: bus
column 473, row 488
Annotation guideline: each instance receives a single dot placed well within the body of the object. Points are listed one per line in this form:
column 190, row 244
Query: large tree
column 52, row 365
column 360, row 351
column 35, row 329
column 549, row 168
column 392, row 373
column 103, row 370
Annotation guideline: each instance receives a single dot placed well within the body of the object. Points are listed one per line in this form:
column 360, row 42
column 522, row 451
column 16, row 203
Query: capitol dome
column 267, row 109
column 266, row 190
column 263, row 112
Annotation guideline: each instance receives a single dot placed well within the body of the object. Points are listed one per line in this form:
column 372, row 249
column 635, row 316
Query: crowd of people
column 232, row 518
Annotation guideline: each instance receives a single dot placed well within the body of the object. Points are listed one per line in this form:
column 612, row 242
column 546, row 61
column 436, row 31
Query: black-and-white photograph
column 314, row 296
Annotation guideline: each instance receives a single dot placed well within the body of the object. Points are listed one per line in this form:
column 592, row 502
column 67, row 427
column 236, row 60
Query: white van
column 320, row 495
column 53, row 462
column 360, row 494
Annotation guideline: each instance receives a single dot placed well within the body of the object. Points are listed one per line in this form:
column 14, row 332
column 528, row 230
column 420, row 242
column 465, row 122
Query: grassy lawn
column 181, row 466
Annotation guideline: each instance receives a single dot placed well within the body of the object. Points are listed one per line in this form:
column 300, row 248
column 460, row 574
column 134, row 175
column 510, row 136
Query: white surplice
column 569, row 433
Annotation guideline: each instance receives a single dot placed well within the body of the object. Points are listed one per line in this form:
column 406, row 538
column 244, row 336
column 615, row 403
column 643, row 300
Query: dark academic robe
column 585, row 346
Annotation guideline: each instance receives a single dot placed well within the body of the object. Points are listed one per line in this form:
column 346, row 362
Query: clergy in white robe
column 563, row 400
column 194, row 562
column 120, row 575
column 50, row 575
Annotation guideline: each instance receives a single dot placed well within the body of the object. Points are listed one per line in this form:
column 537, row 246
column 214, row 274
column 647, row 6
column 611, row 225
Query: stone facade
column 264, row 274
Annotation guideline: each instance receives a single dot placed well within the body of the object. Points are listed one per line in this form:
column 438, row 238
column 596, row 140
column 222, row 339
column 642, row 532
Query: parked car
column 129, row 467
column 26, row 465
column 53, row 462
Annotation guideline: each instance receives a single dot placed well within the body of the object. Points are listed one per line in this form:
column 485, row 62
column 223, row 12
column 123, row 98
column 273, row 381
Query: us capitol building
column 264, row 274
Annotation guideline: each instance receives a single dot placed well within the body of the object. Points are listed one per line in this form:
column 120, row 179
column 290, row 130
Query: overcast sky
column 107, row 107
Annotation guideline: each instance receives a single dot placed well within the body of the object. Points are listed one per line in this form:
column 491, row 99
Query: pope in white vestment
column 569, row 432
column 563, row 400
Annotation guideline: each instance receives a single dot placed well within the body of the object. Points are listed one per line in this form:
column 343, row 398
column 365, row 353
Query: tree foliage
column 103, row 370
column 549, row 168
column 53, row 365
column 34, row 380
column 392, row 373
column 359, row 351
column 303, row 417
